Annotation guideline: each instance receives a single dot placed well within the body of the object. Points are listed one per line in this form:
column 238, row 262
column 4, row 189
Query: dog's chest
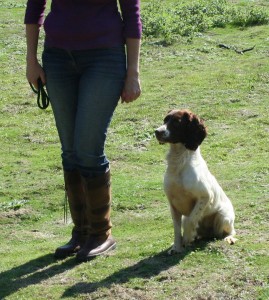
column 179, row 197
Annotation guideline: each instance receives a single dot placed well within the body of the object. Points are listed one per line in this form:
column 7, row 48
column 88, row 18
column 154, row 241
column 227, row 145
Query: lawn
column 227, row 89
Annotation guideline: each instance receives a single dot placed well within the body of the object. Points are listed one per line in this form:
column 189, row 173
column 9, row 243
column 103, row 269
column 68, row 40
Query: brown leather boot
column 98, row 198
column 77, row 206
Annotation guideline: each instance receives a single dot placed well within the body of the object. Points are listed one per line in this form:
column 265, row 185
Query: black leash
column 41, row 95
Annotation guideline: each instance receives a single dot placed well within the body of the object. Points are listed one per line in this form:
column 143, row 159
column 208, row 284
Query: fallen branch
column 223, row 46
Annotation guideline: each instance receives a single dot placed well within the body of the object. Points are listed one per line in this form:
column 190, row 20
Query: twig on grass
column 223, row 46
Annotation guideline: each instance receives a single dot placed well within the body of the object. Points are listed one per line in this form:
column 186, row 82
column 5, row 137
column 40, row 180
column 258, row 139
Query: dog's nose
column 157, row 133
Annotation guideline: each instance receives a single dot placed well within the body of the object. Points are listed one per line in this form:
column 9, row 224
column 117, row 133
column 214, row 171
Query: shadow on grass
column 32, row 272
column 145, row 269
column 44, row 267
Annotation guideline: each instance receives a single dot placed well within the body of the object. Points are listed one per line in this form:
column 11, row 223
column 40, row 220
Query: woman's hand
column 35, row 71
column 33, row 68
column 132, row 89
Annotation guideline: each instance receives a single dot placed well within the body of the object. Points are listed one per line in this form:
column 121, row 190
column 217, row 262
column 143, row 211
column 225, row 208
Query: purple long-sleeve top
column 86, row 24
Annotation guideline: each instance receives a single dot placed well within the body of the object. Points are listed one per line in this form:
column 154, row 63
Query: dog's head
column 182, row 126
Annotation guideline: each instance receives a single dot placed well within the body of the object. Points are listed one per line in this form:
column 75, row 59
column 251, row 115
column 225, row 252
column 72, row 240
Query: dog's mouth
column 159, row 137
column 160, row 140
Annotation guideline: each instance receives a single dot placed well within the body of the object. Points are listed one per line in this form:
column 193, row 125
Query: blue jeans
column 84, row 89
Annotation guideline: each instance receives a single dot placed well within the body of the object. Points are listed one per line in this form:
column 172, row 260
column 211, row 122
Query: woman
column 86, row 72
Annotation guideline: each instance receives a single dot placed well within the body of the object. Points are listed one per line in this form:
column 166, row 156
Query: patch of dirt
column 123, row 293
column 18, row 213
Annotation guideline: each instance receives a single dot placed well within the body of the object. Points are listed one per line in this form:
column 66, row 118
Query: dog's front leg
column 176, row 216
column 190, row 223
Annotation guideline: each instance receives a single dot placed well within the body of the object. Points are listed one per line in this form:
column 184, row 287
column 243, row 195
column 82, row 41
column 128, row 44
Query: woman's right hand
column 35, row 71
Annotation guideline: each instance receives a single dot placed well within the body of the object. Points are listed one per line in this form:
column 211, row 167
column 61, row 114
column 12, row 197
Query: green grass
column 229, row 90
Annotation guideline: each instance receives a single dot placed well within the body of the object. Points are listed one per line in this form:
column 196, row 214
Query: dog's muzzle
column 161, row 134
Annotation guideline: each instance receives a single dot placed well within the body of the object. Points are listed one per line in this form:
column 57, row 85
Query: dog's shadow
column 147, row 268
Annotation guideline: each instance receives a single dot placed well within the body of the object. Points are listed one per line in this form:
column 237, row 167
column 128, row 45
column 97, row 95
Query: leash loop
column 43, row 99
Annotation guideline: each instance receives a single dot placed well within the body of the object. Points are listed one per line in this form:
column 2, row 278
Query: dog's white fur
column 197, row 202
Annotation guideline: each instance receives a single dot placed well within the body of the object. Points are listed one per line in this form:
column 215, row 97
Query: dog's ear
column 196, row 132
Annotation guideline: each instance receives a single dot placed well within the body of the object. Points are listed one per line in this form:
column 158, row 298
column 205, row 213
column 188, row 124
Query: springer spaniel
column 196, row 199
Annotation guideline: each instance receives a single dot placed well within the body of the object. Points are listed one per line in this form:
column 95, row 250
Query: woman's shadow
column 32, row 272
column 145, row 269
column 44, row 267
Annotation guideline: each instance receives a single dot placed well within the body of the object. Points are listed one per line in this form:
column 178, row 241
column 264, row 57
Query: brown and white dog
column 196, row 199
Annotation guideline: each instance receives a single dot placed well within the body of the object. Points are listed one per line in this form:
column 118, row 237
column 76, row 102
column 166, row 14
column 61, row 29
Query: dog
column 197, row 202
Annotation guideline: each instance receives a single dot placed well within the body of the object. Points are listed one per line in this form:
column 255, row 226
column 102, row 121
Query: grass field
column 227, row 89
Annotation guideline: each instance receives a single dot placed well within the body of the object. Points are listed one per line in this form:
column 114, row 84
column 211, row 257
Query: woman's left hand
column 131, row 90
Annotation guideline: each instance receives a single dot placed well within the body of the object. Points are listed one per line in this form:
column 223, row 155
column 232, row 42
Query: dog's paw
column 189, row 233
column 175, row 250
column 188, row 238
column 230, row 240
